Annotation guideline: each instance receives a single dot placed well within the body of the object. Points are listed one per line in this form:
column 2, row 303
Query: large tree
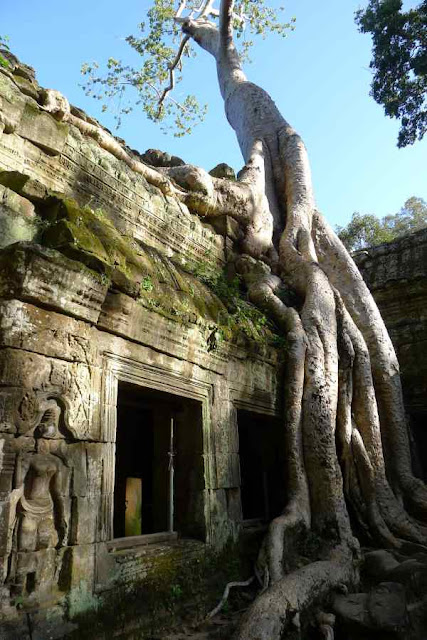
column 366, row 230
column 399, row 63
column 348, row 458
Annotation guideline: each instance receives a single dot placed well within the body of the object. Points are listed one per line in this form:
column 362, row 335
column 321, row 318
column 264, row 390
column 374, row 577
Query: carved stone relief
column 28, row 377
column 38, row 503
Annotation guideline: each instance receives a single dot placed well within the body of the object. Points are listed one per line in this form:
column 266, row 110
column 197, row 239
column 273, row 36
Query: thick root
column 284, row 532
column 279, row 608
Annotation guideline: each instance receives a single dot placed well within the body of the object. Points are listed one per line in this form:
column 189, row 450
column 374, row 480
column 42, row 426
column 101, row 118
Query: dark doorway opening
column 150, row 474
column 262, row 465
column 418, row 423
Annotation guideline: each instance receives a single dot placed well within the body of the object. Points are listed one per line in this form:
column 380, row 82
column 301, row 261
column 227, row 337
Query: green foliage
column 242, row 316
column 176, row 591
column 157, row 42
column 399, row 63
column 4, row 44
column 147, row 284
column 368, row 231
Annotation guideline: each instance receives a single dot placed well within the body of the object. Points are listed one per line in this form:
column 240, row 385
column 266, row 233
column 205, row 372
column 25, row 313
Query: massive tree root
column 343, row 399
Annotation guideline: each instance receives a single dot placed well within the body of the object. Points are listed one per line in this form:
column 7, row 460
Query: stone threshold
column 137, row 541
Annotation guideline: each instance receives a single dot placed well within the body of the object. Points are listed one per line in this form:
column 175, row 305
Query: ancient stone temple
column 124, row 378
column 139, row 405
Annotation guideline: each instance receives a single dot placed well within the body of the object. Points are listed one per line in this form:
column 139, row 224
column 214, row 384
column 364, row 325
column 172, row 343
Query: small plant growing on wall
column 4, row 44
column 147, row 284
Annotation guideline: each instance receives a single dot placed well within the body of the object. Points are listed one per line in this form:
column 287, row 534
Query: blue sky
column 318, row 76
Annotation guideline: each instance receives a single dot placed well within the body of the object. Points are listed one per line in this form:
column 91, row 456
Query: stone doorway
column 159, row 475
column 418, row 423
column 261, row 451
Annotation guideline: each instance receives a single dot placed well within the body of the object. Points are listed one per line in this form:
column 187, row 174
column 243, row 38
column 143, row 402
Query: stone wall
column 100, row 286
column 396, row 273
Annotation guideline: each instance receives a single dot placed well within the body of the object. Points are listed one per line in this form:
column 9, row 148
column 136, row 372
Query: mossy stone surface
column 143, row 273
column 42, row 129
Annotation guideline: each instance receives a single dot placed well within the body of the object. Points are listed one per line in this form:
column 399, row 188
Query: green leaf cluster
column 367, row 230
column 399, row 63
column 157, row 42
column 4, row 44
column 242, row 316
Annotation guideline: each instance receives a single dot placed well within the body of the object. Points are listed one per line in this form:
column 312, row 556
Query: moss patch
column 179, row 592
column 191, row 295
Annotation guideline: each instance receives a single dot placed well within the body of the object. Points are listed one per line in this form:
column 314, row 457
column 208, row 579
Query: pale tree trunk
column 342, row 389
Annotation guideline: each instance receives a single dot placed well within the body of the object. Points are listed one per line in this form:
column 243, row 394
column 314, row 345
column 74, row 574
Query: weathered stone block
column 126, row 317
column 25, row 326
column 104, row 524
column 234, row 505
column 14, row 202
column 221, row 528
column 396, row 274
column 4, row 561
column 224, row 432
column 95, row 466
column 21, row 184
column 44, row 565
column 227, row 226
column 8, row 495
column 30, row 272
column 10, row 400
column 15, row 228
column 5, row 529
column 77, row 458
column 42, row 129
column 87, row 460
column 84, row 515
column 17, row 218
column 12, row 103
column 82, row 388
column 106, row 567
column 81, row 574
column 27, row 86
column 21, row 369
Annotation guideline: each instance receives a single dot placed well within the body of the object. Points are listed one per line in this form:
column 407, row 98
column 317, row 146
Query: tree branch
column 205, row 9
column 172, row 68
column 181, row 8
column 226, row 23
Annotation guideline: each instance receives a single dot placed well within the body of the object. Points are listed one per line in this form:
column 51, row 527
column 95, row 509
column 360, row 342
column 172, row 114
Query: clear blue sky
column 319, row 77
